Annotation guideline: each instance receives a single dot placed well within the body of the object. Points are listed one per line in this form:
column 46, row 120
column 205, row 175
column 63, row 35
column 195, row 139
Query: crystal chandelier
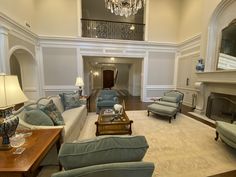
column 124, row 7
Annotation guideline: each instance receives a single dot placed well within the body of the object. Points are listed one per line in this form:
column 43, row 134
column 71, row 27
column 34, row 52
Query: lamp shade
column 79, row 82
column 10, row 91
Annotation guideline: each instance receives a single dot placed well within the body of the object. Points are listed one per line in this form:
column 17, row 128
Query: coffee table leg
column 130, row 127
column 97, row 133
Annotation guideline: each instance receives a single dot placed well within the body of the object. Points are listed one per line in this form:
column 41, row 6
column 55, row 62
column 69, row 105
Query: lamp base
column 5, row 147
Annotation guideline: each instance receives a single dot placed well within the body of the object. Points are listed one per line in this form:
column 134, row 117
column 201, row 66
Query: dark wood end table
column 36, row 147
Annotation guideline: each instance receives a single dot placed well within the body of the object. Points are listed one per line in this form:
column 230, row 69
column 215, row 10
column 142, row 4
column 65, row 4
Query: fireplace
column 221, row 107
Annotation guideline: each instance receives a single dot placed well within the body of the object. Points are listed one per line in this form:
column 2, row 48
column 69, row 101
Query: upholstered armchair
column 173, row 98
column 105, row 156
column 106, row 99
column 168, row 105
column 226, row 132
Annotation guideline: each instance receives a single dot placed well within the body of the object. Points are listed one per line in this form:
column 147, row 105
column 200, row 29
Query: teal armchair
column 106, row 99
column 105, row 156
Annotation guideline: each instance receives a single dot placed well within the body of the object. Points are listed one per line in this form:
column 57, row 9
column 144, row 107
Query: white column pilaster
column 4, row 48
column 40, row 73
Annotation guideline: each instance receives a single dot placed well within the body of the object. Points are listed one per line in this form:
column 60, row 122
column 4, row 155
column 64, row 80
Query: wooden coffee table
column 37, row 145
column 110, row 125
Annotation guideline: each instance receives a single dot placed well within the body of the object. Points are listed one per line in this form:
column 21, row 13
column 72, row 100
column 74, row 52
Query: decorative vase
column 200, row 66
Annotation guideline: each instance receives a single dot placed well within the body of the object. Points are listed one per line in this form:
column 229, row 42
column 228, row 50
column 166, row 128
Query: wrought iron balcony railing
column 112, row 30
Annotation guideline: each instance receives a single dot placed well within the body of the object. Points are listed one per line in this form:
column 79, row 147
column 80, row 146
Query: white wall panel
column 60, row 66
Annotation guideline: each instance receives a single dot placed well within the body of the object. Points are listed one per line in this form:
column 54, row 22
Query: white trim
column 41, row 70
column 160, row 87
column 16, row 47
column 60, row 88
column 30, row 89
column 192, row 54
column 190, row 43
column 16, row 28
column 187, row 89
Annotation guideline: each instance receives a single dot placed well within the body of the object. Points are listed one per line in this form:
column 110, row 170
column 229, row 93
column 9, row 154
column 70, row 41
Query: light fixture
column 96, row 73
column 10, row 95
column 132, row 27
column 80, row 83
column 112, row 58
column 124, row 7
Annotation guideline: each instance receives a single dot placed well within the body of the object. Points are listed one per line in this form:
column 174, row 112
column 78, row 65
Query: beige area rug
column 184, row 148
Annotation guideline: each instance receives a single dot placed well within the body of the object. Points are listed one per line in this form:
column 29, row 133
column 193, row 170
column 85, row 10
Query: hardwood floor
column 134, row 103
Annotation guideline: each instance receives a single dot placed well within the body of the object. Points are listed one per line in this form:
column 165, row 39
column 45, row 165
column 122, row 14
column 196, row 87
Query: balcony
column 112, row 30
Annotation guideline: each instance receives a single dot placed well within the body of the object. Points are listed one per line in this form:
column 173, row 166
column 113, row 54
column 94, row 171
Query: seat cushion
column 157, row 108
column 101, row 150
column 124, row 169
column 227, row 130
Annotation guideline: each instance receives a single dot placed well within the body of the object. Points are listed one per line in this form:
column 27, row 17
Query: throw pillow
column 51, row 110
column 37, row 117
column 70, row 100
column 101, row 150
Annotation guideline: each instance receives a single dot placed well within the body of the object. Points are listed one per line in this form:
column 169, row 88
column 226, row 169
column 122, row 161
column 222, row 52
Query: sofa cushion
column 51, row 110
column 124, row 169
column 101, row 150
column 37, row 117
column 162, row 109
column 70, row 100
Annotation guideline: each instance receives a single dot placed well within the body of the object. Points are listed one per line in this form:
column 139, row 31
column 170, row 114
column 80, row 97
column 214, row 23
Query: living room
column 44, row 44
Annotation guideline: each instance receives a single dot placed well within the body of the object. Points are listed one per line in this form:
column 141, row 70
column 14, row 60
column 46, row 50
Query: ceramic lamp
column 80, row 84
column 10, row 95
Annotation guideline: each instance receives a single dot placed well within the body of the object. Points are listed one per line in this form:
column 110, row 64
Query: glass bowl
column 17, row 140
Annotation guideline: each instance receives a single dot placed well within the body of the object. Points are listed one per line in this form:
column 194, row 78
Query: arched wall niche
column 221, row 17
column 23, row 64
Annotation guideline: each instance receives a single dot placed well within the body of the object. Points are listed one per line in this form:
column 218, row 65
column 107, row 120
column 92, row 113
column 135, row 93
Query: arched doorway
column 23, row 64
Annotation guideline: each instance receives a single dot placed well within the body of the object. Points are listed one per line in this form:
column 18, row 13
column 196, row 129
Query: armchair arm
column 99, row 98
column 115, row 99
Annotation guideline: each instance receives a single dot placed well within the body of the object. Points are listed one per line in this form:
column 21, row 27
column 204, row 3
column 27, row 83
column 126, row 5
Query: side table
column 36, row 147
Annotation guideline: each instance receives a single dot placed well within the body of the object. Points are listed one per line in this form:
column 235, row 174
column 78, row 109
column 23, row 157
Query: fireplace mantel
column 227, row 77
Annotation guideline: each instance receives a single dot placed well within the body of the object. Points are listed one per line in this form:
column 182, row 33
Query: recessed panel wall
column 60, row 66
column 161, row 68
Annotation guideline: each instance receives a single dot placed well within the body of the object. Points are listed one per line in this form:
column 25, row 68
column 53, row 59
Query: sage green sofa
column 226, row 132
column 105, row 156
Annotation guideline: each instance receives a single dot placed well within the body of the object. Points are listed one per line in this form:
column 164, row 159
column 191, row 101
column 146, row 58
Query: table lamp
column 10, row 95
column 80, row 84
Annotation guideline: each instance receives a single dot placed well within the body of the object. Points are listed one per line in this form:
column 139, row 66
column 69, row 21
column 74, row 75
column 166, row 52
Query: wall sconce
column 96, row 73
